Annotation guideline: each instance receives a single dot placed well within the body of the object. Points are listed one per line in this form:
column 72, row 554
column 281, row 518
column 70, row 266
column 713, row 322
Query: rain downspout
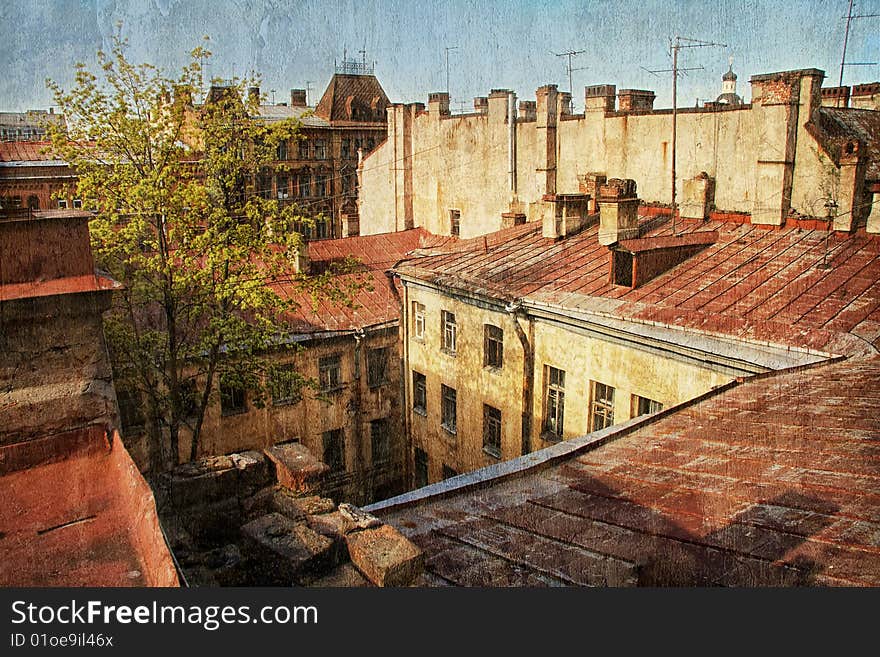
column 513, row 309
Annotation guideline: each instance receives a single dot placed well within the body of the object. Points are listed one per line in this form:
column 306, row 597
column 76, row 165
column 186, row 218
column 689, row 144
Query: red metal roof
column 26, row 151
column 752, row 283
column 775, row 481
column 375, row 301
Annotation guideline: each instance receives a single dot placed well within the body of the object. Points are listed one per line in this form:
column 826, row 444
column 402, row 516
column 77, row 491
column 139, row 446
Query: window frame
column 372, row 356
column 601, row 405
column 384, row 449
column 326, row 364
column 421, row 467
column 636, row 401
column 492, row 428
column 285, row 371
column 448, row 332
column 554, row 398
column 419, row 393
column 232, row 393
column 488, row 340
column 327, row 443
column 449, row 400
column 419, row 319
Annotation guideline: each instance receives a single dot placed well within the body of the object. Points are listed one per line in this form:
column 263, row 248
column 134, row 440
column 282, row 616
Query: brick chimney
column 302, row 263
column 618, row 211
column 481, row 104
column 298, row 98
column 835, row 96
column 600, row 97
column 528, row 110
column 438, row 103
column 633, row 100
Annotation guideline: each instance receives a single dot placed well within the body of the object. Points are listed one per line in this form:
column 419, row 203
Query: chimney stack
column 438, row 103
column 600, row 97
column 618, row 211
column 298, row 98
column 634, row 100
column 481, row 104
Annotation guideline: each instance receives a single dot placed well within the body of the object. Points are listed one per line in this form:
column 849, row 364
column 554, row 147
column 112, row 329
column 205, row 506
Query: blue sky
column 500, row 44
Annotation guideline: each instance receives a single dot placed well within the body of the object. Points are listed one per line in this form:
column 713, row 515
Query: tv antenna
column 675, row 44
column 849, row 19
column 568, row 66
column 447, row 49
column 308, row 91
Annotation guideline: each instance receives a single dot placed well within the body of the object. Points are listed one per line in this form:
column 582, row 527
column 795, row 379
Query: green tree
column 180, row 221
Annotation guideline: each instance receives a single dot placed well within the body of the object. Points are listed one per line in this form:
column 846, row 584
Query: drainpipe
column 403, row 364
column 356, row 415
column 511, row 143
column 513, row 309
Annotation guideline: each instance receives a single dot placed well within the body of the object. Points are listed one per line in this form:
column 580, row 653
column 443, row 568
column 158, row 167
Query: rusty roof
column 752, row 283
column 99, row 528
column 834, row 126
column 774, row 481
column 27, row 151
column 373, row 304
column 353, row 98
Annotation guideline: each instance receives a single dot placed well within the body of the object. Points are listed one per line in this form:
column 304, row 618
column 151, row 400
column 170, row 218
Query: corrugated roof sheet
column 752, row 283
column 773, row 482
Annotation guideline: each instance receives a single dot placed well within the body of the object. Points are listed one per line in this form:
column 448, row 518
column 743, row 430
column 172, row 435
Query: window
column 554, row 400
column 418, row 320
column 449, row 472
column 346, row 149
column 130, row 415
column 320, row 229
column 264, row 184
column 284, row 385
column 232, row 399
column 330, row 372
column 320, row 149
column 282, row 186
column 322, row 185
column 644, row 406
column 377, row 367
column 455, row 222
column 448, row 329
column 33, row 202
column 421, row 469
column 281, row 151
column 420, row 393
column 62, row 204
column 77, row 204
column 380, row 441
column 602, row 406
column 304, row 150
column 304, row 185
column 334, row 450
column 492, row 431
column 447, row 408
column 370, row 144
column 493, row 346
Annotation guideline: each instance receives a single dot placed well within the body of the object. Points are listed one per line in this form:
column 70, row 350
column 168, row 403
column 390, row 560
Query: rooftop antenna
column 308, row 91
column 849, row 19
column 570, row 54
column 273, row 95
column 447, row 49
column 675, row 44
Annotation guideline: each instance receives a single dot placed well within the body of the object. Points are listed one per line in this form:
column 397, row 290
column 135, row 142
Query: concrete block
column 296, row 467
column 385, row 556
column 206, row 480
column 359, row 519
column 254, row 471
column 283, row 551
column 344, row 576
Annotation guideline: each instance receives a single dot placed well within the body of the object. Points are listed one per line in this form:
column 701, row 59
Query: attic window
column 621, row 268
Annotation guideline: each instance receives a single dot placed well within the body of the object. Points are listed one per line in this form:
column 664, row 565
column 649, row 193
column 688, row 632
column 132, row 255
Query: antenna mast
column 676, row 44
column 447, row 49
column 849, row 19
column 570, row 54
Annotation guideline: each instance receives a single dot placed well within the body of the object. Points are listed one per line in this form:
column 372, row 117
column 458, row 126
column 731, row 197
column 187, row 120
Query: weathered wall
column 762, row 158
column 631, row 371
column 351, row 408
